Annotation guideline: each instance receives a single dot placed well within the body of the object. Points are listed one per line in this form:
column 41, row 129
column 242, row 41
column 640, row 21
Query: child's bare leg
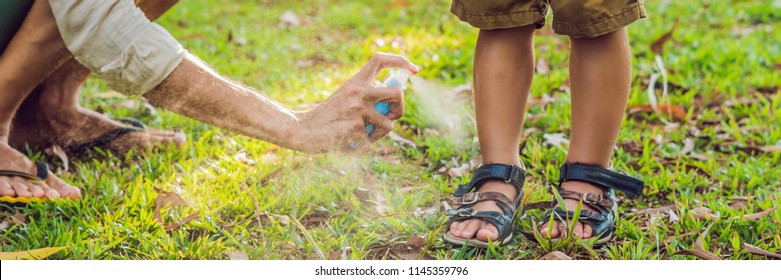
column 600, row 77
column 503, row 71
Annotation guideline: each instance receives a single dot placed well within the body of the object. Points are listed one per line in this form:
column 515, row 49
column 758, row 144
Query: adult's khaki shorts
column 575, row 18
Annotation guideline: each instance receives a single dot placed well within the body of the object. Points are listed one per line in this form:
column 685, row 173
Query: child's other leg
column 503, row 71
column 600, row 75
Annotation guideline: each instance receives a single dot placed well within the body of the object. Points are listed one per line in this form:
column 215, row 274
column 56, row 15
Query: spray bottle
column 398, row 79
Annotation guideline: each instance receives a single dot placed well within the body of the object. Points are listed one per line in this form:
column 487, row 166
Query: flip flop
column 43, row 174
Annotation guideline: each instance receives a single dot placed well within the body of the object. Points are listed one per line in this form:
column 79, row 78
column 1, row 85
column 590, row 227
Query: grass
column 249, row 197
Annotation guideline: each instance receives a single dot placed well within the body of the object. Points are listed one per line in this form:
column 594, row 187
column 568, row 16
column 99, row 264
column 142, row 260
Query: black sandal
column 602, row 222
column 43, row 174
column 465, row 198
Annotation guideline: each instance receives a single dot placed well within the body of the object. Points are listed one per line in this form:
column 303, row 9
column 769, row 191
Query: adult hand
column 339, row 123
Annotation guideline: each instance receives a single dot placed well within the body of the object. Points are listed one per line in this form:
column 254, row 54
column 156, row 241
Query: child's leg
column 503, row 70
column 600, row 76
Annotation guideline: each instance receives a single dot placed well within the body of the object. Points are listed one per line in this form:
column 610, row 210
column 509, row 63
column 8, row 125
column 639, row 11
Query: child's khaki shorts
column 576, row 18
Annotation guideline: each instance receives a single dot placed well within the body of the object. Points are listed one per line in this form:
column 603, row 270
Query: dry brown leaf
column 771, row 149
column 556, row 255
column 5, row 225
column 416, row 242
column 658, row 210
column 183, row 221
column 459, row 171
column 688, row 146
column 704, row 213
column 677, row 112
column 19, row 218
column 680, row 236
column 758, row 215
column 169, row 199
column 698, row 250
column 759, row 251
column 542, row 67
column 397, row 138
column 233, row 255
column 739, row 202
column 658, row 45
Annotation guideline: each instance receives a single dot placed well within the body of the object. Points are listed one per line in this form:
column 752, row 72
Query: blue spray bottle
column 398, row 79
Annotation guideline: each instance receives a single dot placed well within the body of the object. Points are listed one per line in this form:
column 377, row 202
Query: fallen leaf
column 758, row 215
column 759, row 251
column 739, row 202
column 677, row 112
column 680, row 236
column 183, row 221
column 459, row 171
column 542, row 67
column 397, row 138
column 704, row 213
column 35, row 254
column 237, row 256
column 698, row 250
column 688, row 146
column 169, row 199
column 290, row 18
column 19, row 218
column 416, row 242
column 556, row 139
column 556, row 255
column 658, row 45
column 673, row 217
column 660, row 209
column 771, row 149
column 5, row 225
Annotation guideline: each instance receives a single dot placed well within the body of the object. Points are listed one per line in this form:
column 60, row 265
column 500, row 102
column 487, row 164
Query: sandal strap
column 592, row 199
column 42, row 173
column 601, row 177
column 499, row 220
column 506, row 172
column 601, row 223
column 475, row 197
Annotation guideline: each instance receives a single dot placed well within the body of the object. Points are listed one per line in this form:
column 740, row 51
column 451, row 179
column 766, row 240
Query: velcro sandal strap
column 475, row 197
column 601, row 177
column 508, row 173
column 592, row 199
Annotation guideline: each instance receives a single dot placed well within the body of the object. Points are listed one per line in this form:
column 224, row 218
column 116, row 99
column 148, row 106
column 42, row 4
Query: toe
column 21, row 190
column 487, row 231
column 63, row 189
column 6, row 189
column 588, row 232
column 455, row 228
column 577, row 230
column 471, row 227
column 36, row 189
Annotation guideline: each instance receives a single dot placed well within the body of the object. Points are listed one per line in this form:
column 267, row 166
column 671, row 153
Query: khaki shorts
column 576, row 18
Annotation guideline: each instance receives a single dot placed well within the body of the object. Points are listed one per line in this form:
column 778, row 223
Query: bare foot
column 479, row 228
column 580, row 230
column 70, row 127
column 15, row 186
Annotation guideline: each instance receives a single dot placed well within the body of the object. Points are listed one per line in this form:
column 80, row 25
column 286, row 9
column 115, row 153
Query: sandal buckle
column 592, row 198
column 465, row 212
column 470, row 198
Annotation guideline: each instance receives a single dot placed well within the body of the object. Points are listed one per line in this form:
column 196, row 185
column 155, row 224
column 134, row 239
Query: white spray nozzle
column 398, row 78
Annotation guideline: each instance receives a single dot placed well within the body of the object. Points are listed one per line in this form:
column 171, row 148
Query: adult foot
column 73, row 126
column 18, row 187
column 580, row 230
column 479, row 228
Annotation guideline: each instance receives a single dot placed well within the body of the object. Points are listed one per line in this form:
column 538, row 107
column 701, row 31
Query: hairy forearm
column 196, row 91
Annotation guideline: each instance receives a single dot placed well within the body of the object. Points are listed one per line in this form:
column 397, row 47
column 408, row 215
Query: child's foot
column 480, row 228
column 580, row 230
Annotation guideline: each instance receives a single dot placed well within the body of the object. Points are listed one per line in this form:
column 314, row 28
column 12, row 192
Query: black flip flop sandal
column 466, row 195
column 602, row 221
column 43, row 174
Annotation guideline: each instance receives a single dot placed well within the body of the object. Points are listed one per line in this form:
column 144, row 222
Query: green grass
column 723, row 65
